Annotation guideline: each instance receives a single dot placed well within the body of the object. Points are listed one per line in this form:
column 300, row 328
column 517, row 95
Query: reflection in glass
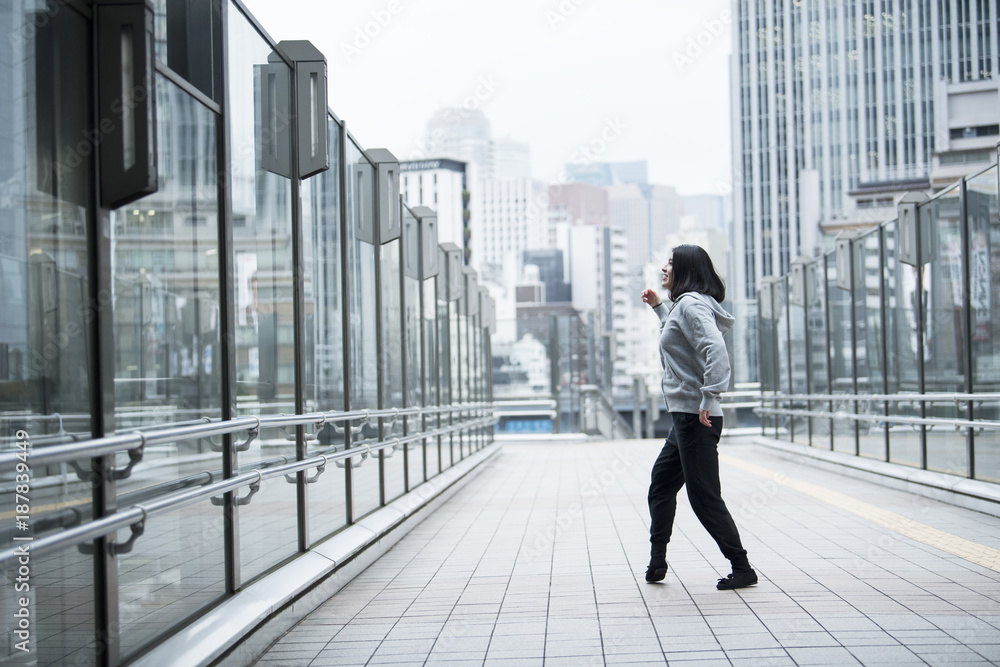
column 168, row 365
column 783, row 378
column 363, row 371
column 870, row 337
column 324, row 334
column 165, row 266
column 983, row 254
column 815, row 290
column 944, row 333
column 262, row 229
column 46, row 311
column 412, row 323
column 323, row 286
column 901, row 347
column 797, row 351
column 841, row 356
column 429, row 374
column 391, row 366
column 174, row 571
column 767, row 354
column 263, row 282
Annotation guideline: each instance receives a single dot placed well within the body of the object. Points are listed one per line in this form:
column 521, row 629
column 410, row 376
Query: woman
column 695, row 373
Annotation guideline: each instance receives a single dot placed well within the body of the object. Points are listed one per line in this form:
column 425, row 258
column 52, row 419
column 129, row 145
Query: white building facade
column 443, row 185
column 597, row 268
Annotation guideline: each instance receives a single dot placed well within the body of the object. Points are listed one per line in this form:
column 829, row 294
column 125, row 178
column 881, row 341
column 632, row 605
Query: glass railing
column 889, row 347
column 258, row 348
column 542, row 366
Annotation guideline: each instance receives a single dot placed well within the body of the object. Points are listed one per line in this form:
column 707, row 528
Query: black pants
column 690, row 455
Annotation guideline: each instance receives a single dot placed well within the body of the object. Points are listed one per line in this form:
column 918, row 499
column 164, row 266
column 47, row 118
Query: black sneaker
column 657, row 571
column 738, row 579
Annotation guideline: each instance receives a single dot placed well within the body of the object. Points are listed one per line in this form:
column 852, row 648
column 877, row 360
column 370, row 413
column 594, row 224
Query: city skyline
column 577, row 81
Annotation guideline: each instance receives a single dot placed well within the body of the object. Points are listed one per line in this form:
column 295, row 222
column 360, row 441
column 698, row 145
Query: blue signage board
column 528, row 426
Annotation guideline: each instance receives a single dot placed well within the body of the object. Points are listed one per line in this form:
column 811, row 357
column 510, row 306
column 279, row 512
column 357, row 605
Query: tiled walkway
column 539, row 560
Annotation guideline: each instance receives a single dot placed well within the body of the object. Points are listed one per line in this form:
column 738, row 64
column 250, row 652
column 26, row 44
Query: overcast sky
column 598, row 80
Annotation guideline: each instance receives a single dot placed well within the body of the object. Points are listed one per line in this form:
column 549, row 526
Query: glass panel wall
column 841, row 355
column 445, row 361
column 767, row 356
column 944, row 331
column 168, row 367
column 324, row 334
column 914, row 322
column 797, row 353
column 193, row 310
column 262, row 223
column 819, row 347
column 870, row 336
column 47, row 350
column 391, row 363
column 413, row 345
column 259, row 88
column 779, row 297
column 166, row 278
column 429, row 379
column 902, row 367
column 363, row 318
column 983, row 252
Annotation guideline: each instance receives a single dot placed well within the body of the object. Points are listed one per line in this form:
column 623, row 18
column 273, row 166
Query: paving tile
column 480, row 581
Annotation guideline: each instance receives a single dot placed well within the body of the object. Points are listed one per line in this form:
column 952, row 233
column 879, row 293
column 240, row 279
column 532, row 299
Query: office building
column 443, row 185
column 840, row 108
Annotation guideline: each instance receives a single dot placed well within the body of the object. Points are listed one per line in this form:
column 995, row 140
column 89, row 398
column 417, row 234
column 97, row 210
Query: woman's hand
column 651, row 297
column 703, row 418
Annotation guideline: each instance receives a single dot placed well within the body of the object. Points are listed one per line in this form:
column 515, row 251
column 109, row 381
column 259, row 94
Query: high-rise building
column 462, row 135
column 597, row 259
column 842, row 107
column 578, row 204
column 512, row 217
column 647, row 214
column 443, row 185
column 508, row 209
column 839, row 109
column 709, row 210
column 604, row 174
column 550, row 273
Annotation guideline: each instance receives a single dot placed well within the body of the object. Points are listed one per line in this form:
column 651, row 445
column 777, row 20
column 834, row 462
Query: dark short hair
column 693, row 272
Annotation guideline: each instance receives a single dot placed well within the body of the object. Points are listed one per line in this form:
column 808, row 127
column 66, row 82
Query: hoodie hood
column 723, row 319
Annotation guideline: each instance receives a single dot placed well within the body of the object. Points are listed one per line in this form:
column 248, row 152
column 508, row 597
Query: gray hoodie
column 693, row 353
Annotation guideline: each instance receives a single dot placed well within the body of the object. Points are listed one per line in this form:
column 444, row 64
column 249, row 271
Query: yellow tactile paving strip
column 979, row 554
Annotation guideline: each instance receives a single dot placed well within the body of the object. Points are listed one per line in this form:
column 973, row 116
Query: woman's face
column 668, row 273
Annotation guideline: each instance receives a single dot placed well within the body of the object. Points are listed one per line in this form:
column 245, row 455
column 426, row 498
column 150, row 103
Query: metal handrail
column 544, row 403
column 70, row 452
column 137, row 514
column 550, row 414
column 884, row 419
column 903, row 398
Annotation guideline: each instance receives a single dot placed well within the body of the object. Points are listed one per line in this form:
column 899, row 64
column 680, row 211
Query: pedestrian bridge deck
column 539, row 560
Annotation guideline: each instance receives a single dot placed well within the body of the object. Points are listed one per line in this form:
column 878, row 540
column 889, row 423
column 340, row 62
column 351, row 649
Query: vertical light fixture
column 387, row 186
column 126, row 101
